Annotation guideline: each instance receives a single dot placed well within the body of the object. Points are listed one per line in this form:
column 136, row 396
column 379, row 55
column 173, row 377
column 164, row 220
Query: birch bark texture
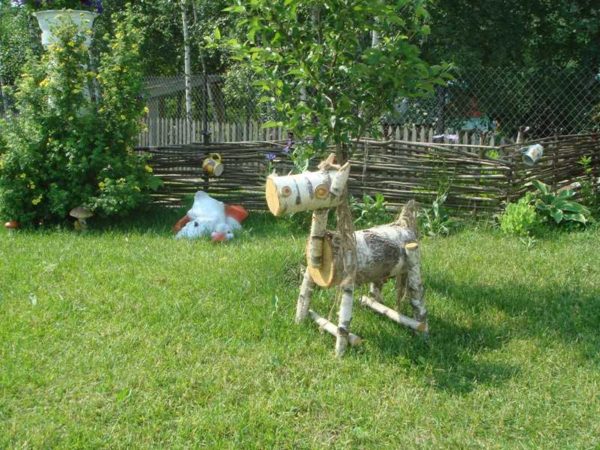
column 383, row 252
column 187, row 64
column 306, row 191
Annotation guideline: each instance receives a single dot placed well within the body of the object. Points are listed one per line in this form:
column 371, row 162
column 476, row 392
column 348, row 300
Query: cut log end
column 411, row 246
column 272, row 198
column 325, row 274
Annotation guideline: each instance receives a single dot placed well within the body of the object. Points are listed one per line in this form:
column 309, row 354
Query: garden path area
column 124, row 337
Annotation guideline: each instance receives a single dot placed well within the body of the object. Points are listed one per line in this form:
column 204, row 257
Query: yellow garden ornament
column 212, row 165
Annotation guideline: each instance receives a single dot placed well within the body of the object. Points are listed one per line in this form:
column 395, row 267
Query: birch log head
column 306, row 191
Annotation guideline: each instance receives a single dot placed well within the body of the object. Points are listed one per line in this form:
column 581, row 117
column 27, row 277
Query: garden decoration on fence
column 379, row 253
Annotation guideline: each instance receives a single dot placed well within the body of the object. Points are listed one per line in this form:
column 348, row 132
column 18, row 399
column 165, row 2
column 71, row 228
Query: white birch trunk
column 187, row 65
column 303, row 303
column 380, row 254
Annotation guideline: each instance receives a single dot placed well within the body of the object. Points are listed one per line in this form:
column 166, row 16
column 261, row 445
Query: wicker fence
column 478, row 179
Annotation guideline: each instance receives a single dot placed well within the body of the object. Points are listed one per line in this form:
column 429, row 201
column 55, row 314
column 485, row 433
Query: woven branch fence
column 477, row 179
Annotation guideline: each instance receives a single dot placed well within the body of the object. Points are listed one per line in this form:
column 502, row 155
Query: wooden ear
column 329, row 163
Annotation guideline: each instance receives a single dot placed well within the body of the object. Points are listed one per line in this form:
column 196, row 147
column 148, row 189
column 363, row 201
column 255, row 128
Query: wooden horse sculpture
column 380, row 253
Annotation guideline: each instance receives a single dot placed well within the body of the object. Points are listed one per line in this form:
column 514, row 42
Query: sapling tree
column 331, row 68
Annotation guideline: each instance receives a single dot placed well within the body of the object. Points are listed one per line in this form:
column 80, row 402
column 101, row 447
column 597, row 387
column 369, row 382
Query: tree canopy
column 331, row 67
column 515, row 33
column 488, row 33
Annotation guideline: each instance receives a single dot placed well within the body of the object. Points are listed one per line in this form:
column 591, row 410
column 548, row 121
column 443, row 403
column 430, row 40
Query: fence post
column 510, row 177
column 555, row 163
column 153, row 121
column 205, row 132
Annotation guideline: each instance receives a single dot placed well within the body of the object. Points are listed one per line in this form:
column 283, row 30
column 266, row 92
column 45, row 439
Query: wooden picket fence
column 477, row 179
column 163, row 132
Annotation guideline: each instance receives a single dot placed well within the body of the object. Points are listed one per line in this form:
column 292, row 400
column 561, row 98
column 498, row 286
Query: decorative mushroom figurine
column 11, row 226
column 81, row 214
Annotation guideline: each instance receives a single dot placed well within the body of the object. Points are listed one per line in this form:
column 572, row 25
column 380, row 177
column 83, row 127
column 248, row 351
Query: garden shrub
column 434, row 220
column 590, row 196
column 559, row 208
column 520, row 218
column 544, row 208
column 371, row 211
column 67, row 146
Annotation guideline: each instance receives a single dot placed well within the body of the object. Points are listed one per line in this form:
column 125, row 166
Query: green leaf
column 557, row 215
column 576, row 218
column 217, row 33
column 272, row 124
column 235, row 9
column 571, row 206
column 567, row 193
column 540, row 186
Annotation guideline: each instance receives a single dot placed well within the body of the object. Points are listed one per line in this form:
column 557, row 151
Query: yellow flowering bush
column 67, row 147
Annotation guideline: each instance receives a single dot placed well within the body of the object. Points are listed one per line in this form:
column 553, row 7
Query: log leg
column 416, row 292
column 345, row 316
column 393, row 315
column 326, row 325
column 401, row 281
column 375, row 291
column 303, row 303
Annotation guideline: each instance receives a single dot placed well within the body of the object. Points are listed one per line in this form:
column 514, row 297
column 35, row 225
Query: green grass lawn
column 125, row 338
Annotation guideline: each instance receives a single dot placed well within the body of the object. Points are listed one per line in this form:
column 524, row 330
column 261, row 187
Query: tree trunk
column 4, row 100
column 187, row 66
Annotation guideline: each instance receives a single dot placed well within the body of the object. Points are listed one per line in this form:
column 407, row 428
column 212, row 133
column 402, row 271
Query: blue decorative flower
column 270, row 156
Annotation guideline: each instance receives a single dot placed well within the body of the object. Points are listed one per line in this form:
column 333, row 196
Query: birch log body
column 380, row 254
column 306, row 191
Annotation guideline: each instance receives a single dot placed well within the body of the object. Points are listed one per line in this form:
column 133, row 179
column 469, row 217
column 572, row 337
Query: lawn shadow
column 447, row 357
column 560, row 310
